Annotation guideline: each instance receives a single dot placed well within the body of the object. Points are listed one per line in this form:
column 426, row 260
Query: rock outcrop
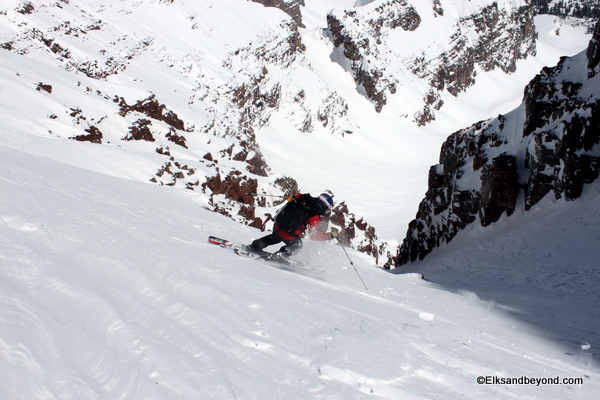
column 548, row 146
column 568, row 8
column 290, row 7
column 502, row 38
column 260, row 80
column 494, row 37
column 361, row 38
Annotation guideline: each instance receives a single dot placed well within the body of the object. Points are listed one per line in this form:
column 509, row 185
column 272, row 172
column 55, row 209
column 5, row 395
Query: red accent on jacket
column 312, row 223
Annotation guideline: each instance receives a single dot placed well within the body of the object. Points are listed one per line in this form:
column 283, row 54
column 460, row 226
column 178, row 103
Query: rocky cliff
column 290, row 7
column 205, row 130
column 568, row 8
column 550, row 146
column 197, row 94
column 491, row 37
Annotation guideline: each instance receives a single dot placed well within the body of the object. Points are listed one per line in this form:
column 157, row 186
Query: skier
column 302, row 212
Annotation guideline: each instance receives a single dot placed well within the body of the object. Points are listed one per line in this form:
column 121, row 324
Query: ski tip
column 219, row 241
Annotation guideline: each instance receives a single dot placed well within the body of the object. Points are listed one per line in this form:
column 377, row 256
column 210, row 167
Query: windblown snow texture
column 131, row 131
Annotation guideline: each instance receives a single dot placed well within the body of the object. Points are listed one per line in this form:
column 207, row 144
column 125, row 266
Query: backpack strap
column 263, row 226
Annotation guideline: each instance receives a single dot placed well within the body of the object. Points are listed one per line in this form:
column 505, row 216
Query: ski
column 240, row 250
column 222, row 242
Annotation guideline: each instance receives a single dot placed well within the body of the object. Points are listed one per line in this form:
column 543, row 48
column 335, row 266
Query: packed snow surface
column 109, row 289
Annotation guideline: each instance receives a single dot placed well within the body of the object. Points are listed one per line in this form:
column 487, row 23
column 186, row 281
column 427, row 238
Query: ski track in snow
column 108, row 289
column 116, row 294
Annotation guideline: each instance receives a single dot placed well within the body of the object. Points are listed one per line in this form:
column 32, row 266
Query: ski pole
column 268, row 195
column 351, row 263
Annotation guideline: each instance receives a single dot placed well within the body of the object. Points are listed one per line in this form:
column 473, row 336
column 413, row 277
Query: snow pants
column 291, row 247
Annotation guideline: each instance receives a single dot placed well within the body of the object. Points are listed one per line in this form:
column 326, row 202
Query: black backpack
column 295, row 213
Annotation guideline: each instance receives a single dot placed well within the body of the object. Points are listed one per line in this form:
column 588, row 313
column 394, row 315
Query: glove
column 334, row 234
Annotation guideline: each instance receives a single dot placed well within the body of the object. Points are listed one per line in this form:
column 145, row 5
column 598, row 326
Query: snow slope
column 177, row 52
column 542, row 265
column 110, row 291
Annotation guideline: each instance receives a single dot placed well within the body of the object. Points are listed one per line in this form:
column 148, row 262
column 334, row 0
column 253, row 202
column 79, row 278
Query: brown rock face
column 236, row 187
column 94, row 136
column 499, row 188
column 152, row 108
